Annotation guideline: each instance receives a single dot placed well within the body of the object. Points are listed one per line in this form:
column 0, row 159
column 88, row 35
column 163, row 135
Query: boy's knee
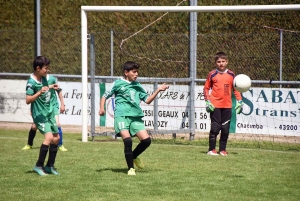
column 215, row 128
column 146, row 141
column 55, row 139
column 225, row 127
column 33, row 127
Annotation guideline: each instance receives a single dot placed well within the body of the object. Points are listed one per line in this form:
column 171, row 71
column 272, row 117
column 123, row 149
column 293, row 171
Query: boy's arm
column 30, row 99
column 237, row 94
column 102, row 103
column 61, row 99
column 206, row 89
column 163, row 87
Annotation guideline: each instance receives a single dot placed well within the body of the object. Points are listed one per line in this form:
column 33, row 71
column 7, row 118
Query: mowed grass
column 97, row 171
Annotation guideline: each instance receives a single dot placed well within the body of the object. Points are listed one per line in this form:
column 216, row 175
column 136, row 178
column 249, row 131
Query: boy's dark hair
column 220, row 55
column 129, row 65
column 40, row 61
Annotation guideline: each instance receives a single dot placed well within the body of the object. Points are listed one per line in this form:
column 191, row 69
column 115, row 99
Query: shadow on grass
column 237, row 176
column 30, row 172
column 100, row 140
column 229, row 153
column 125, row 170
column 121, row 170
column 34, row 148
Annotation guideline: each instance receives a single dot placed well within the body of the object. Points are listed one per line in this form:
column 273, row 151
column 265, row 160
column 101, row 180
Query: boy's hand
column 209, row 107
column 56, row 86
column 163, row 87
column 239, row 107
column 101, row 112
column 62, row 108
column 44, row 89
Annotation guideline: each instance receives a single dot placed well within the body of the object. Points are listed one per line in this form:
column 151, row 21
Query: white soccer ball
column 242, row 83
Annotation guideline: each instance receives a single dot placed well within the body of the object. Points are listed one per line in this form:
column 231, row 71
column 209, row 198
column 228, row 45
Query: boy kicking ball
column 128, row 114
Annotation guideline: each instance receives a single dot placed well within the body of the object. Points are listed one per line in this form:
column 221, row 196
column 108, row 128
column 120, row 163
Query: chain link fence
column 267, row 55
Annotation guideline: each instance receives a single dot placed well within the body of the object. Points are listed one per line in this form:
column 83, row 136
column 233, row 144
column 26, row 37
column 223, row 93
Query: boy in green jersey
column 57, row 110
column 128, row 114
column 38, row 94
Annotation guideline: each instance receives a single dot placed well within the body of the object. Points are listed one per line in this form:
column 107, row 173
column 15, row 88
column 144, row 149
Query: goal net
column 174, row 46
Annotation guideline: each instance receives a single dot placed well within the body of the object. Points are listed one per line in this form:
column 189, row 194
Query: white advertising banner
column 13, row 107
column 274, row 111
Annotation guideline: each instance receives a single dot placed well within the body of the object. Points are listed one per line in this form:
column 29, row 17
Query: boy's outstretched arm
column 163, row 87
column 102, row 103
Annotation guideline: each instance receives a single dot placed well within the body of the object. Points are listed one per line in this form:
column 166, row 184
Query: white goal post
column 84, row 34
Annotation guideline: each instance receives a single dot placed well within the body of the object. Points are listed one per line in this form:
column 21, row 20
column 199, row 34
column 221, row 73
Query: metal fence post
column 280, row 57
column 193, row 67
column 92, row 73
column 155, row 109
column 111, row 53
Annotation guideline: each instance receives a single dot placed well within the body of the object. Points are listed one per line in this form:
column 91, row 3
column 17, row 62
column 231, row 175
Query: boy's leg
column 140, row 148
column 39, row 167
column 53, row 148
column 52, row 155
column 226, row 116
column 215, row 117
column 60, row 143
column 61, row 147
column 31, row 136
column 128, row 152
column 127, row 148
column 42, row 155
column 60, row 136
column 145, row 141
column 121, row 125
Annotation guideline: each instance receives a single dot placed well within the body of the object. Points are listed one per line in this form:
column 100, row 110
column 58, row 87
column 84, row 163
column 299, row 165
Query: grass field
column 97, row 171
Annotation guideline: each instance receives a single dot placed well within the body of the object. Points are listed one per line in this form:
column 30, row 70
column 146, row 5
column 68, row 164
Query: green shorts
column 132, row 124
column 47, row 126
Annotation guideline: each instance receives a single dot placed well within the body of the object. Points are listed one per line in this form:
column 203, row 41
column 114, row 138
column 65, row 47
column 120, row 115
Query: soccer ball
column 242, row 83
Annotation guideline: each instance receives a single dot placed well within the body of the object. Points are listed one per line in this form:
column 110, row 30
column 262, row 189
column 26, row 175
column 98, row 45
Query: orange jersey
column 221, row 86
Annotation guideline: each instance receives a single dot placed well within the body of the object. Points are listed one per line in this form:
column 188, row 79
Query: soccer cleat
column 62, row 148
column 51, row 170
column 138, row 163
column 40, row 170
column 223, row 153
column 27, row 147
column 212, row 153
column 131, row 171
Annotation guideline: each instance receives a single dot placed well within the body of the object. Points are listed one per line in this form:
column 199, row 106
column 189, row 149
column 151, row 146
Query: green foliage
column 97, row 171
column 251, row 39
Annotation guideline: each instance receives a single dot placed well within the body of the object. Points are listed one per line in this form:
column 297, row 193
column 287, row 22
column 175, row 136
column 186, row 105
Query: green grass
column 97, row 171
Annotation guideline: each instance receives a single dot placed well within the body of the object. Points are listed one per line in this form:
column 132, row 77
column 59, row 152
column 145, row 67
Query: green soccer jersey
column 53, row 80
column 41, row 108
column 128, row 96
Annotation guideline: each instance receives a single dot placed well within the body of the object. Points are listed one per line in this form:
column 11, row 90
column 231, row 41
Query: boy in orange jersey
column 218, row 89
